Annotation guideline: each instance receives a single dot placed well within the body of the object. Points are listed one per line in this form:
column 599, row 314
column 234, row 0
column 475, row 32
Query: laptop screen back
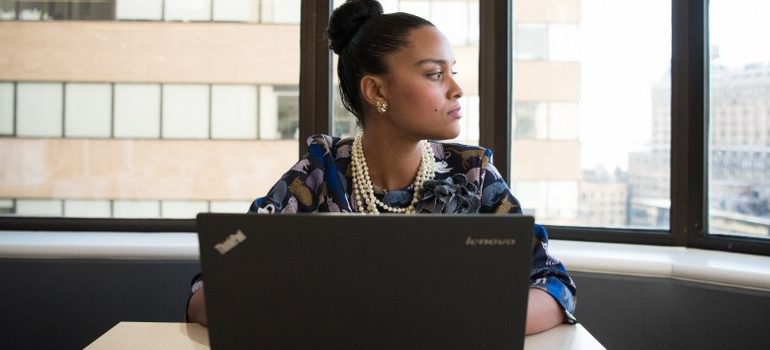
column 354, row 281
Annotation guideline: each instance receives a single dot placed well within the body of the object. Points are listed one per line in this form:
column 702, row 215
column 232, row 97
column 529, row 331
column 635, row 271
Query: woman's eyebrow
column 437, row 61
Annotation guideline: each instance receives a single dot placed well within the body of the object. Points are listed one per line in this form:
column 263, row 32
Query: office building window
column 281, row 11
column 7, row 106
column 137, row 111
column 149, row 10
column 187, row 10
column 234, row 112
column 88, row 110
column 87, row 208
column 136, row 209
column 39, row 109
column 39, row 207
column 531, row 42
column 237, row 207
column 739, row 144
column 59, row 10
column 531, row 120
column 185, row 111
column 181, row 209
column 236, row 10
column 7, row 9
column 288, row 112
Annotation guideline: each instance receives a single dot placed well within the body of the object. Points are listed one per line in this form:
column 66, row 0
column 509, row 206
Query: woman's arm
column 543, row 312
column 196, row 308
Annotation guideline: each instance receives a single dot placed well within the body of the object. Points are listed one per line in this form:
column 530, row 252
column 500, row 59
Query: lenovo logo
column 489, row 241
column 230, row 242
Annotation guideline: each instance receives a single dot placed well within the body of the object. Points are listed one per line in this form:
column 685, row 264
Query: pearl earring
column 382, row 106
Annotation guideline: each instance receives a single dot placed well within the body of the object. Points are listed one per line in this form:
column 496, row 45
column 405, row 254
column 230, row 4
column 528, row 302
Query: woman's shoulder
column 467, row 156
column 320, row 145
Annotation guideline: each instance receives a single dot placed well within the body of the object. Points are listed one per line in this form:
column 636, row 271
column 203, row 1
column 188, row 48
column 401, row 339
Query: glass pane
column 7, row 9
column 233, row 112
column 739, row 140
column 187, row 10
column 236, row 10
column 168, row 126
column 185, row 111
column 6, row 108
column 139, row 10
column 88, row 110
column 137, row 110
column 39, row 109
column 591, row 111
column 459, row 21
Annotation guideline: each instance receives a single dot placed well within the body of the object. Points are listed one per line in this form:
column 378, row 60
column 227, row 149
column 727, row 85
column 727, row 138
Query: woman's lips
column 456, row 113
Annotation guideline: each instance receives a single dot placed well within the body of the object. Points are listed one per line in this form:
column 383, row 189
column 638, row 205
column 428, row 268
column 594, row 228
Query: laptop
column 333, row 281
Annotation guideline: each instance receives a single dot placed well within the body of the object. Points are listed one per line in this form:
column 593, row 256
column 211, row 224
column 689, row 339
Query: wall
column 66, row 304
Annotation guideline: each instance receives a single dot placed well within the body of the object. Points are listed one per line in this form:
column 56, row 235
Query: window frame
column 689, row 127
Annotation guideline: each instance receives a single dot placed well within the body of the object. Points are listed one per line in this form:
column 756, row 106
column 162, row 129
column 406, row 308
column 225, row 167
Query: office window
column 136, row 209
column 531, row 42
column 592, row 91
column 93, row 10
column 87, row 208
column 530, row 120
column 88, row 110
column 180, row 209
column 237, row 207
column 185, row 111
column 288, row 112
column 7, row 105
column 236, row 10
column 149, row 10
column 137, row 110
column 283, row 11
column 38, row 207
column 233, row 111
column 739, row 102
column 187, row 10
column 39, row 109
column 7, row 207
column 7, row 9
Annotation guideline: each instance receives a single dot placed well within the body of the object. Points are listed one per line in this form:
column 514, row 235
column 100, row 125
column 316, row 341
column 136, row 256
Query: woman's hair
column 363, row 36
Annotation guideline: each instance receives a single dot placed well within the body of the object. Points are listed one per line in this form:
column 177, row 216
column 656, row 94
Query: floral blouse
column 465, row 182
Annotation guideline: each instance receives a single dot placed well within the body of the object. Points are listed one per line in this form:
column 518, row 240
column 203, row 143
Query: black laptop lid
column 353, row 281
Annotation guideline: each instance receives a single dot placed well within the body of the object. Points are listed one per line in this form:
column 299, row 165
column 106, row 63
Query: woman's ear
column 372, row 89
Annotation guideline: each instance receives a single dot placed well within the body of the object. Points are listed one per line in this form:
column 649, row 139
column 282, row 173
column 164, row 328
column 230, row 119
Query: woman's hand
column 196, row 309
column 543, row 312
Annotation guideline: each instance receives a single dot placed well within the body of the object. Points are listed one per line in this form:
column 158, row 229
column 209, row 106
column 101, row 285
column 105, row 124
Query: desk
column 152, row 335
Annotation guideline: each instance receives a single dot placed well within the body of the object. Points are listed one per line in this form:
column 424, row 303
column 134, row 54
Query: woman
column 396, row 77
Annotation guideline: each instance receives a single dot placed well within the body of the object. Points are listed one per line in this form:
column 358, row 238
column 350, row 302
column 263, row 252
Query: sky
column 625, row 47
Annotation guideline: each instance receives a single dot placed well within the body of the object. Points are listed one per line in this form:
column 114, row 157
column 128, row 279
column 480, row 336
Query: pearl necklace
column 362, row 183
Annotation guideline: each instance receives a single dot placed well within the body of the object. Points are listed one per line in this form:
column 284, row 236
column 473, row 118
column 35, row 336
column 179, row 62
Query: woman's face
column 421, row 89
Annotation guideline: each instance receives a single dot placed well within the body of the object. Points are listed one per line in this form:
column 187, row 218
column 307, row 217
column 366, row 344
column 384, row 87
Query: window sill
column 706, row 266
column 687, row 264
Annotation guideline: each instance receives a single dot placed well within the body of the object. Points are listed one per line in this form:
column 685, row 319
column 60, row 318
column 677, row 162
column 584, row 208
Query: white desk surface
column 167, row 335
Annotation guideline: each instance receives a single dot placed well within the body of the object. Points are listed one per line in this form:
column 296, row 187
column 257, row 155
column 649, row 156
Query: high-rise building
column 739, row 154
column 545, row 165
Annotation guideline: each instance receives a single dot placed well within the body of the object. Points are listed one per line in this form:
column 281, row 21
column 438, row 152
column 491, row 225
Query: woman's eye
column 436, row 75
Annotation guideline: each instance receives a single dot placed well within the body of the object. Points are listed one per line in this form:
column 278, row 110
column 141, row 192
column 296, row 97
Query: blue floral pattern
column 465, row 181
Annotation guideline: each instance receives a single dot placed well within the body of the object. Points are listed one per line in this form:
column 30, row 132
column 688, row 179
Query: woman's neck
column 392, row 161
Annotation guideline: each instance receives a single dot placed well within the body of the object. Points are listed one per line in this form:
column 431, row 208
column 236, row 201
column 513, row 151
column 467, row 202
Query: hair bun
column 347, row 19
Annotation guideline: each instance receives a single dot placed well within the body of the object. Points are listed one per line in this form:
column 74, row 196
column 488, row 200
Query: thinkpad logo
column 490, row 241
column 230, row 242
